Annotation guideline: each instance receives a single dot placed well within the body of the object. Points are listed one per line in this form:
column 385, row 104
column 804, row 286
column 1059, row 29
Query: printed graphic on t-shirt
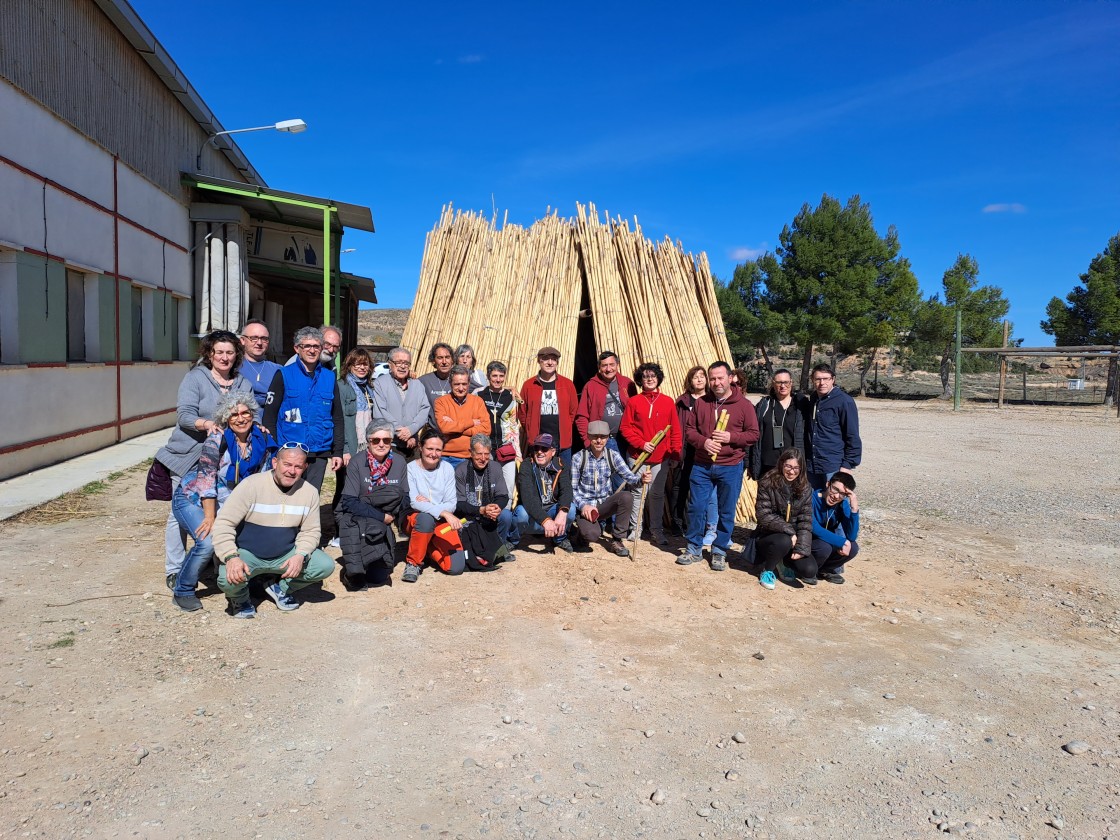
column 549, row 403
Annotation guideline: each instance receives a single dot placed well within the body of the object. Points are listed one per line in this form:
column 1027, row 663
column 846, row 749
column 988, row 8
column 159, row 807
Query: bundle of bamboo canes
column 508, row 290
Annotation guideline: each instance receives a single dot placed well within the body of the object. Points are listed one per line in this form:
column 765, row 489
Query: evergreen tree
column 983, row 308
column 1091, row 312
column 832, row 280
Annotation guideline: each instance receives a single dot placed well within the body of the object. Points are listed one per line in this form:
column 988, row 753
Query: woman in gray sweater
column 214, row 373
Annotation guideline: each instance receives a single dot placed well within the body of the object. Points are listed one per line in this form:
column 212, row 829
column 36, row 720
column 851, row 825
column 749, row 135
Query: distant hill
column 381, row 326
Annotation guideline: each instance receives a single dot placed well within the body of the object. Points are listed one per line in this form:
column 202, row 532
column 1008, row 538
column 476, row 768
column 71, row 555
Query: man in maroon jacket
column 604, row 396
column 548, row 404
column 719, row 461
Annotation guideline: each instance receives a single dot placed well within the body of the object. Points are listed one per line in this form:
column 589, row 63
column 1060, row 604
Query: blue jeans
column 524, row 524
column 712, row 518
column 453, row 461
column 507, row 528
column 175, row 538
column 190, row 516
column 727, row 481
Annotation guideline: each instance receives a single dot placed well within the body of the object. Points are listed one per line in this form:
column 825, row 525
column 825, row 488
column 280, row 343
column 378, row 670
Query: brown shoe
column 615, row 547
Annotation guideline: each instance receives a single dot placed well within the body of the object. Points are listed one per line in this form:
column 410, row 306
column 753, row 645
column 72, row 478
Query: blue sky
column 990, row 128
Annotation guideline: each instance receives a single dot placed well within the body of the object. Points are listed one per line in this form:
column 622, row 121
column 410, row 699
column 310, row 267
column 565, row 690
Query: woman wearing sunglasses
column 374, row 498
column 236, row 448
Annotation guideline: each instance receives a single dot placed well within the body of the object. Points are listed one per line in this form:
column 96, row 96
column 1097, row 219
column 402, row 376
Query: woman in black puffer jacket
column 784, row 511
column 374, row 499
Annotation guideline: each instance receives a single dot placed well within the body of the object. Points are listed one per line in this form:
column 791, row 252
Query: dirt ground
column 933, row 692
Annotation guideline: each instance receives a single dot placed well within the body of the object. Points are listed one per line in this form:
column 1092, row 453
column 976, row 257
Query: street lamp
column 289, row 126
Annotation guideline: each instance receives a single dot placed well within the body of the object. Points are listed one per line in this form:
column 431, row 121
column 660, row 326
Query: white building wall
column 34, row 137
column 48, row 414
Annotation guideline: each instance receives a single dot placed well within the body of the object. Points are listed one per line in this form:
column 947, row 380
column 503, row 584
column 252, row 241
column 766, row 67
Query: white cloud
column 1013, row 207
column 470, row 59
column 745, row 252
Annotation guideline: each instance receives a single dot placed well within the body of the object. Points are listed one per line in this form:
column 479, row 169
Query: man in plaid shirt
column 593, row 494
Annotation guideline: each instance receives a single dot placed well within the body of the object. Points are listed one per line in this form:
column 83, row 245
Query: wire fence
column 1032, row 382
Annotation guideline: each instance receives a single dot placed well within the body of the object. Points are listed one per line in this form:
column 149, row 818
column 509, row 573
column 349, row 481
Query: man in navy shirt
column 832, row 428
column 303, row 407
column 255, row 366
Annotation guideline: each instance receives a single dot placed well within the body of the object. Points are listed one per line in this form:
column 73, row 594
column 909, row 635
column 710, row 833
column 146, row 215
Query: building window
column 137, row 324
column 75, row 316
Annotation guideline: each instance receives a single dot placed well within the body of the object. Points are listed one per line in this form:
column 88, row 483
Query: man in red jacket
column 548, row 404
column 604, row 397
column 719, row 461
column 645, row 415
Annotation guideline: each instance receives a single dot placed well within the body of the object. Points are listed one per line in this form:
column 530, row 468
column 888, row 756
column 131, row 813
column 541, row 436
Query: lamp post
column 288, row 126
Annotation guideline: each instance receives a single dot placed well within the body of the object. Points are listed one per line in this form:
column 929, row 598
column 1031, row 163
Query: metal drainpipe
column 117, row 295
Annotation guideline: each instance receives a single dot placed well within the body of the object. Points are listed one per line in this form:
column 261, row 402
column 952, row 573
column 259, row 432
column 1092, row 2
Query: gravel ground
column 964, row 680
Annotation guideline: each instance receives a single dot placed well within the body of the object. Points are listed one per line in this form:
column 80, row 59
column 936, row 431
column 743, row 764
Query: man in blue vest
column 303, row 407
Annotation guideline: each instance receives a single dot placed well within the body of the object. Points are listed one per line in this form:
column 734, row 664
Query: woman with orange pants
column 433, row 527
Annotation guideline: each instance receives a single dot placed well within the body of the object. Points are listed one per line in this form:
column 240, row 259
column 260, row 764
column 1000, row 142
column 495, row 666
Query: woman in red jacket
column 646, row 414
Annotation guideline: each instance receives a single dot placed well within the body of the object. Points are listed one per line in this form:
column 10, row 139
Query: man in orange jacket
column 460, row 414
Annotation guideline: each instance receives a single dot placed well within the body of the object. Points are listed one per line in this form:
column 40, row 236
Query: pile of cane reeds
column 508, row 290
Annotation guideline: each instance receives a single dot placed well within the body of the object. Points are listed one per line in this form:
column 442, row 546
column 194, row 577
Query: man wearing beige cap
column 548, row 404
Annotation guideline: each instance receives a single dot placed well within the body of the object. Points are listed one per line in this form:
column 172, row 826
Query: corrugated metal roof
column 126, row 20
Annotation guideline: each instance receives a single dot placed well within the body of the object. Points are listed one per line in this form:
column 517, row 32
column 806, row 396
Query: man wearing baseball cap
column 545, row 493
column 549, row 404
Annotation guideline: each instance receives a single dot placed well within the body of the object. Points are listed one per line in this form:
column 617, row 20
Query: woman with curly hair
column 236, row 448
column 215, row 373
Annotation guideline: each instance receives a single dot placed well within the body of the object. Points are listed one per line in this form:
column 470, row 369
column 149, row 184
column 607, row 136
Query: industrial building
column 130, row 223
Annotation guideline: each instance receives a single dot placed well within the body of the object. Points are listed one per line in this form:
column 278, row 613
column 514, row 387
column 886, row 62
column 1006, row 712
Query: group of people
column 467, row 467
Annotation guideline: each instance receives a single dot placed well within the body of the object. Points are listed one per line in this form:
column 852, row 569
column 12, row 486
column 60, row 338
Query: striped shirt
column 267, row 521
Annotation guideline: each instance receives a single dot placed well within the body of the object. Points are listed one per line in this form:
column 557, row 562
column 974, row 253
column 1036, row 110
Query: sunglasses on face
column 384, row 440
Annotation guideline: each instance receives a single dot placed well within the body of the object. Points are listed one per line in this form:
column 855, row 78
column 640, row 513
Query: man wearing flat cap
column 549, row 404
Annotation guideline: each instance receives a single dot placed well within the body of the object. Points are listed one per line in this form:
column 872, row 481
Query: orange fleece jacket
column 457, row 422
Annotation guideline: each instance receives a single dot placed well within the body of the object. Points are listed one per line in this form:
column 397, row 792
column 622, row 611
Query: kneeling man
column 593, row 472
column 545, row 494
column 835, row 526
column 270, row 526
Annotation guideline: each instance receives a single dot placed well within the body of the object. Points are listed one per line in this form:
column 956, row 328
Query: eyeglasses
column 295, row 444
column 790, row 468
column 360, row 364
column 822, row 378
column 400, row 362
column 256, row 339
column 328, row 346
column 597, row 437
column 311, row 347
column 384, row 440
column 234, row 415
column 839, row 491
column 783, row 384
column 649, row 375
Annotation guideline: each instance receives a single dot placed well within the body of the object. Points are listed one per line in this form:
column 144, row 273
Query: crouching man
column 482, row 497
column 545, row 494
column 270, row 526
column 593, row 479
column 835, row 526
